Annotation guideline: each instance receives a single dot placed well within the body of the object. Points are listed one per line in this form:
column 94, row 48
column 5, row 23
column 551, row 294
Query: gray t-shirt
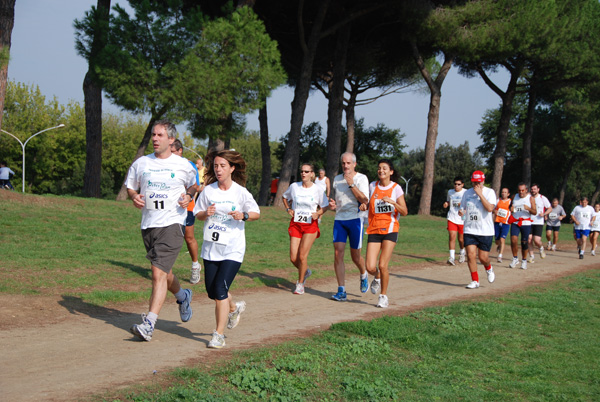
column 553, row 216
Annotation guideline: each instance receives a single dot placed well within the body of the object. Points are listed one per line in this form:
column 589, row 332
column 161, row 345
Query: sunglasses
column 306, row 171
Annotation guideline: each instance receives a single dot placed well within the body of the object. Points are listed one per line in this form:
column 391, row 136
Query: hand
column 184, row 200
column 478, row 188
column 211, row 210
column 237, row 215
column 363, row 207
column 446, row 205
column 349, row 179
column 332, row 205
column 315, row 215
column 138, row 201
column 291, row 212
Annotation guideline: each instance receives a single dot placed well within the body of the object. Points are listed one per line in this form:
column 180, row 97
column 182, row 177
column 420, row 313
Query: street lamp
column 23, row 145
column 191, row 150
column 406, row 181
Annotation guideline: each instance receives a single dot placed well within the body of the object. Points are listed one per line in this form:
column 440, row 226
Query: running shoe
column 340, row 295
column 185, row 310
column 473, row 285
column 217, row 341
column 383, row 301
column 307, row 275
column 375, row 286
column 593, row 252
column 299, row 289
column 554, row 247
column 461, row 258
column 581, row 256
column 364, row 284
column 491, row 276
column 549, row 245
column 195, row 277
column 451, row 261
column 144, row 330
column 524, row 264
column 514, row 262
column 234, row 317
column 542, row 252
column 499, row 259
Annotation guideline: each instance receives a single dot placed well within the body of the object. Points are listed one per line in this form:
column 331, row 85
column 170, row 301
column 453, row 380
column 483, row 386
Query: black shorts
column 163, row 245
column 537, row 230
column 378, row 238
column 484, row 243
column 553, row 228
column 191, row 219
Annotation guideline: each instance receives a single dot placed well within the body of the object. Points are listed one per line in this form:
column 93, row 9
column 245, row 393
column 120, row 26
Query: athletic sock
column 452, row 253
column 463, row 251
column 364, row 276
column 152, row 317
column 475, row 276
column 488, row 267
column 180, row 296
column 500, row 255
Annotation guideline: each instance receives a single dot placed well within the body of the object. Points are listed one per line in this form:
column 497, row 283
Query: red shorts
column 453, row 227
column 297, row 229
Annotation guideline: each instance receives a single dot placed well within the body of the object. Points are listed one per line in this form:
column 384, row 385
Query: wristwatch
column 246, row 216
column 352, row 186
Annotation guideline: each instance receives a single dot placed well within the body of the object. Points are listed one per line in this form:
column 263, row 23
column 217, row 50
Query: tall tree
column 7, row 21
column 96, row 31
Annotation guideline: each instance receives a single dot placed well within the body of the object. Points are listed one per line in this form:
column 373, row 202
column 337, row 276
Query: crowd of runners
column 173, row 192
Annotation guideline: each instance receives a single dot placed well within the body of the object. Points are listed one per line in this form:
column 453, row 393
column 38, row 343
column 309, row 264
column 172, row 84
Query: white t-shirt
column 322, row 183
column 583, row 216
column 478, row 221
column 5, row 173
column 224, row 237
column 161, row 182
column 305, row 200
column 541, row 203
column 454, row 198
column 519, row 210
column 345, row 201
column 595, row 226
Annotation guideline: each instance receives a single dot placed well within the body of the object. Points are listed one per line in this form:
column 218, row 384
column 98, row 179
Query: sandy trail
column 64, row 350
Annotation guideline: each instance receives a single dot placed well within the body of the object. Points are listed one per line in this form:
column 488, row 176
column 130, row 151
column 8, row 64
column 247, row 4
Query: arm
column 328, row 185
column 478, row 188
column 288, row 209
column 532, row 209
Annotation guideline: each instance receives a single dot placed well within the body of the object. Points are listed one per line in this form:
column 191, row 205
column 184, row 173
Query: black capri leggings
column 218, row 277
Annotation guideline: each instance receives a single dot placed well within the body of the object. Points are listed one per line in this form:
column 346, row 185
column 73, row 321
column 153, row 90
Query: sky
column 43, row 54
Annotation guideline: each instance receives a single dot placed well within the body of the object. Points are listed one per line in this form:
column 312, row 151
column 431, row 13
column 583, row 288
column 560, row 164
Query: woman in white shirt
column 305, row 202
column 225, row 205
column 595, row 228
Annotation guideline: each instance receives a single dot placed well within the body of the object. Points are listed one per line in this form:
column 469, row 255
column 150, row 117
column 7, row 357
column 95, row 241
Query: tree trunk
column 336, row 103
column 528, row 134
column 351, row 123
column 301, row 92
column 7, row 21
column 565, row 181
column 433, row 117
column 596, row 193
column 265, row 152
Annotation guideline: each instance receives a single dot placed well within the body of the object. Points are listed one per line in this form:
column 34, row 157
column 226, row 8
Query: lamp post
column 23, row 145
column 406, row 181
column 191, row 150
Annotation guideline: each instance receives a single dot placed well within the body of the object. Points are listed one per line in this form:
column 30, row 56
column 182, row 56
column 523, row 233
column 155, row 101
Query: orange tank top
column 383, row 217
column 503, row 211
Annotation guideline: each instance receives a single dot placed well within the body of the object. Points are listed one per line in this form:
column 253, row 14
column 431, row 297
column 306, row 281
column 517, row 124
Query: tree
column 97, row 22
column 7, row 21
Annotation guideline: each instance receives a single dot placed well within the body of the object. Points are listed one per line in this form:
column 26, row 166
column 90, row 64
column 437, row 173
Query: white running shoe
column 524, row 264
column 593, row 252
column 542, row 252
column 451, row 261
column 461, row 258
column 530, row 258
column 375, row 286
column 499, row 259
column 549, row 245
column 234, row 317
column 490, row 274
column 217, row 341
column 299, row 289
column 383, row 301
column 195, row 277
column 554, row 247
column 144, row 330
column 514, row 263
column 473, row 285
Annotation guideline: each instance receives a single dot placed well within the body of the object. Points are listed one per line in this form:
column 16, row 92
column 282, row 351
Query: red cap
column 478, row 176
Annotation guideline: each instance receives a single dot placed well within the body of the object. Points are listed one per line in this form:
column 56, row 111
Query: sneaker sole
column 209, row 346
column 242, row 308
column 339, row 298
column 134, row 330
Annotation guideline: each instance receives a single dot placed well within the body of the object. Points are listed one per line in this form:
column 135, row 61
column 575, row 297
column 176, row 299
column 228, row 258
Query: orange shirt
column 383, row 217
column 503, row 211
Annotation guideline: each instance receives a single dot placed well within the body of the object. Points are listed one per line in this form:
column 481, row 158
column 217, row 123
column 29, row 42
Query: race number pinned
column 302, row 217
column 158, row 201
column 382, row 207
column 218, row 233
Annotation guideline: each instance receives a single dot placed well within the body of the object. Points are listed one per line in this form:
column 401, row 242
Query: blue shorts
column 524, row 230
column 190, row 220
column 484, row 243
column 582, row 232
column 352, row 228
column 218, row 277
column 553, row 228
column 501, row 230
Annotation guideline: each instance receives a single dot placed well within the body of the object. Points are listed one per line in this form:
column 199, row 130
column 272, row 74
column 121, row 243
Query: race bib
column 455, row 204
column 302, row 217
column 502, row 213
column 474, row 216
column 219, row 233
column 382, row 207
column 519, row 208
column 596, row 225
column 552, row 216
column 159, row 201
column 585, row 215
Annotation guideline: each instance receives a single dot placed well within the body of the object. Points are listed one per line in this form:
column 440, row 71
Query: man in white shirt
column 543, row 208
column 477, row 206
column 162, row 185
column 455, row 221
column 582, row 216
column 523, row 206
column 351, row 190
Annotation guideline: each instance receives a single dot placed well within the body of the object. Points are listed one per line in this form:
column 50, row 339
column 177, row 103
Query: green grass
column 540, row 344
column 54, row 245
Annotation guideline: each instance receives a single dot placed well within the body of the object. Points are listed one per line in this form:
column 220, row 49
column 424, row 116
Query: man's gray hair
column 348, row 153
column 170, row 127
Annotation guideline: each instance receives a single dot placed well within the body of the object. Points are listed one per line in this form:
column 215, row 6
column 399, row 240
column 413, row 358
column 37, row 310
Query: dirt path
column 64, row 350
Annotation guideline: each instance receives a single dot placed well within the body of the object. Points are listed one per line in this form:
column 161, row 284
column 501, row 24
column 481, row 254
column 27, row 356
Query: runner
column 225, row 205
column 501, row 225
column 543, row 208
column 582, row 216
column 323, row 182
column 308, row 204
column 386, row 202
column 553, row 224
column 595, row 228
column 523, row 205
column 162, row 185
column 455, row 221
column 477, row 206
column 6, row 174
column 350, row 190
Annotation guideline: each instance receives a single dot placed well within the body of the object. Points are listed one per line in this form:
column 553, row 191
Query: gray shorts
column 163, row 245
